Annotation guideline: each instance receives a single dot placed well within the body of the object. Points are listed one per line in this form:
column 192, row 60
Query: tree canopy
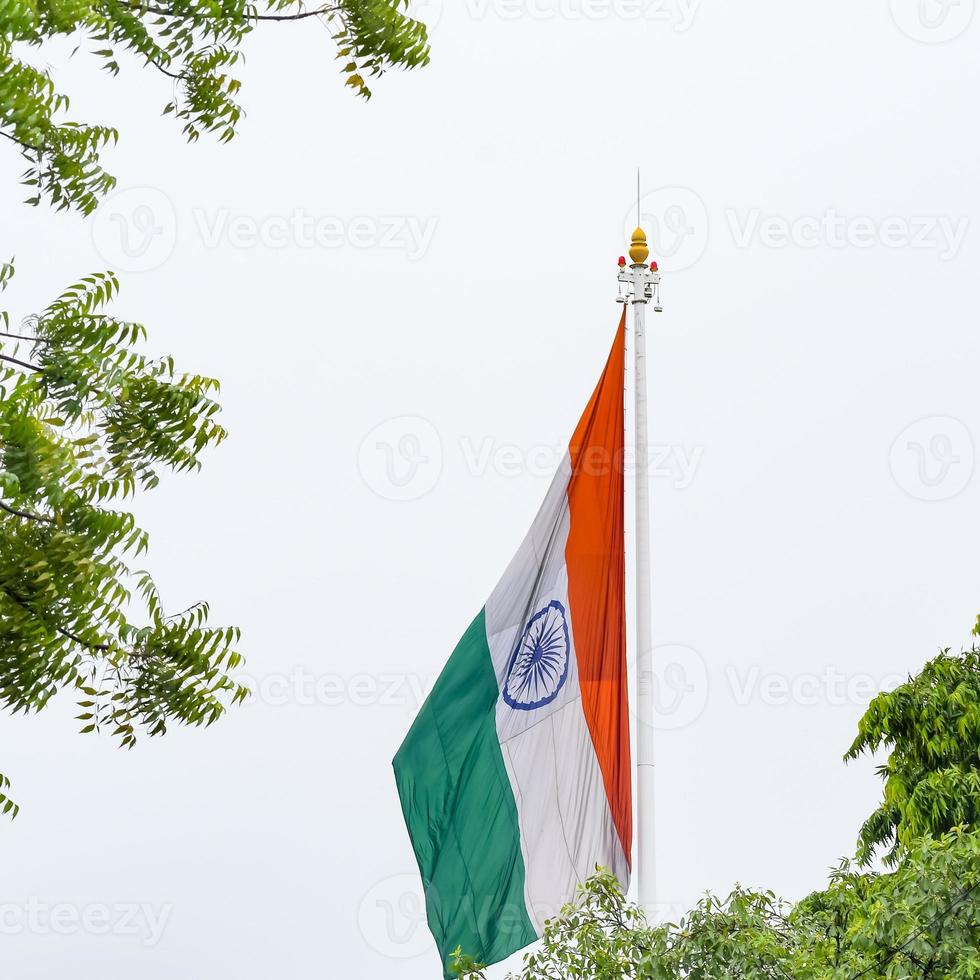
column 195, row 44
column 918, row 918
column 86, row 420
column 931, row 724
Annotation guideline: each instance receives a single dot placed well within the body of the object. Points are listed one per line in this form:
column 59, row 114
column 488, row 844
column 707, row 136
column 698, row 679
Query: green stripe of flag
column 460, row 811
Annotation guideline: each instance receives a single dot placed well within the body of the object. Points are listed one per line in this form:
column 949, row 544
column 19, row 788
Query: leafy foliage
column 921, row 919
column 86, row 420
column 932, row 776
column 195, row 43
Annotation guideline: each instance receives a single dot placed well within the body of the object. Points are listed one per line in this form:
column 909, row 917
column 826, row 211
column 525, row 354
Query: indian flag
column 515, row 777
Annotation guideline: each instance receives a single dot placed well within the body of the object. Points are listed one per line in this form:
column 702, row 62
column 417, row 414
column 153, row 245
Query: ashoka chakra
column 539, row 666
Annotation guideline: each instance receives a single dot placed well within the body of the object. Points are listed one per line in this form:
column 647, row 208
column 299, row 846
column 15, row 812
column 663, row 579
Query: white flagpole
column 645, row 285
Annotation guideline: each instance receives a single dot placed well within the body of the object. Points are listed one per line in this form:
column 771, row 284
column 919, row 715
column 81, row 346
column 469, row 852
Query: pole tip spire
column 639, row 252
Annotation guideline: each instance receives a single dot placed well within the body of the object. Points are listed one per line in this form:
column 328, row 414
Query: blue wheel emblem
column 539, row 666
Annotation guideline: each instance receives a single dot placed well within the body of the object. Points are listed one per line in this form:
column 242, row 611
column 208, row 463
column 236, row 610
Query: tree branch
column 177, row 76
column 22, row 144
column 23, row 364
column 26, row 514
column 188, row 15
column 300, row 16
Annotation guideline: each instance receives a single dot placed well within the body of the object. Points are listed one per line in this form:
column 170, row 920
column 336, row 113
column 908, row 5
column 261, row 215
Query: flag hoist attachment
column 642, row 284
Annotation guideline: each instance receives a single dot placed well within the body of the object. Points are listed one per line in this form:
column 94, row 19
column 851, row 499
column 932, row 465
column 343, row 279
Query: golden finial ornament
column 639, row 252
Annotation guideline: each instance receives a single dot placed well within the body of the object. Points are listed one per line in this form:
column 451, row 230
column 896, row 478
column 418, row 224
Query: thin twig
column 300, row 16
column 160, row 68
column 195, row 15
column 21, row 143
column 101, row 647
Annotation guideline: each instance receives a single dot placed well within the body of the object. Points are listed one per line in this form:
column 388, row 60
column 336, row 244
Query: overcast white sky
column 444, row 257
